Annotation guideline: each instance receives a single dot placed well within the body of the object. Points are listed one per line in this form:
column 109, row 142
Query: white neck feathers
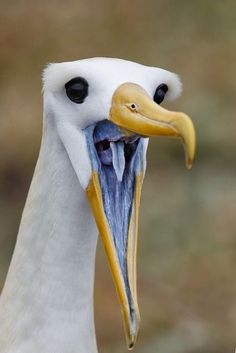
column 47, row 302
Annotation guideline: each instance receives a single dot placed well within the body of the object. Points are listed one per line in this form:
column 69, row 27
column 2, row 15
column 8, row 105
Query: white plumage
column 47, row 302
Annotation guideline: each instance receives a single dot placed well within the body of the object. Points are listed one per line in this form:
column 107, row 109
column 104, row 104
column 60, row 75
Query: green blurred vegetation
column 187, row 251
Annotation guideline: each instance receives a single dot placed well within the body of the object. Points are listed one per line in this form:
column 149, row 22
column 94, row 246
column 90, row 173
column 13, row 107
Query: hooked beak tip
column 150, row 119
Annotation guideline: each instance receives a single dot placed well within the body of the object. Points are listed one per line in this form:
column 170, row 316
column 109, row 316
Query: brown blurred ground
column 187, row 253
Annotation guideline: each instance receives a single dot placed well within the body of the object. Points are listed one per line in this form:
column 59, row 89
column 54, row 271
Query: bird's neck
column 47, row 302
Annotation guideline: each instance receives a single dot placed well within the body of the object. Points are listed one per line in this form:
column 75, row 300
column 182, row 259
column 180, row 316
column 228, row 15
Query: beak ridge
column 134, row 110
column 114, row 190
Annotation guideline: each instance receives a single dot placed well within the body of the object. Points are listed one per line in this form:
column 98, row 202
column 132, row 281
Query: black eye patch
column 77, row 89
column 160, row 93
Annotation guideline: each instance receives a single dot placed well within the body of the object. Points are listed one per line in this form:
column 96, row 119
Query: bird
column 98, row 115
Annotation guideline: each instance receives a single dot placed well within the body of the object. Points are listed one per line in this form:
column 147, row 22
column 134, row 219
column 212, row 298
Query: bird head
column 104, row 110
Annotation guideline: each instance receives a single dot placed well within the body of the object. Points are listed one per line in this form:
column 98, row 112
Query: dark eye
column 77, row 89
column 160, row 93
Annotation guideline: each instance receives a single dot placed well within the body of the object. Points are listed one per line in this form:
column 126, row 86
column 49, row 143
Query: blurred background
column 187, row 249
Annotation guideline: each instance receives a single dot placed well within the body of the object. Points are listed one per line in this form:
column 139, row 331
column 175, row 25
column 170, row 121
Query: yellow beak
column 128, row 302
column 134, row 110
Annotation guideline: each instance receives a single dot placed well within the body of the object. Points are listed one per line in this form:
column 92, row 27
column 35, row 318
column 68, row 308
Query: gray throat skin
column 118, row 159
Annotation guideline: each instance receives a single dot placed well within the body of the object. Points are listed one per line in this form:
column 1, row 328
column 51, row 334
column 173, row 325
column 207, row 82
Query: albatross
column 98, row 116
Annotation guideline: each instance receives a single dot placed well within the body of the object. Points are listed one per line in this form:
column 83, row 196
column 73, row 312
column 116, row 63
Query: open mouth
column 116, row 154
column 118, row 161
column 109, row 158
column 115, row 150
